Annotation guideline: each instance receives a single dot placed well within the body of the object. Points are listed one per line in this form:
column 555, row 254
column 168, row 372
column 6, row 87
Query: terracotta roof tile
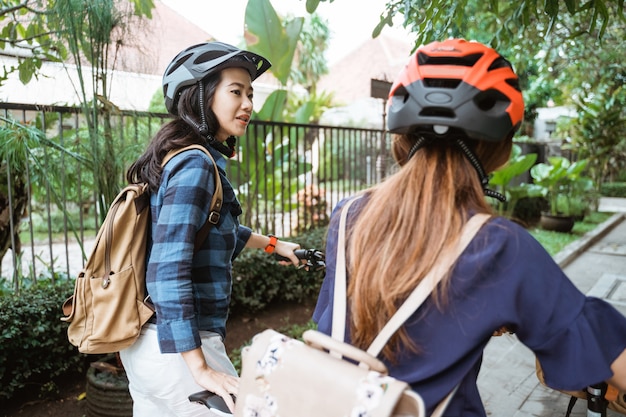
column 151, row 48
column 381, row 58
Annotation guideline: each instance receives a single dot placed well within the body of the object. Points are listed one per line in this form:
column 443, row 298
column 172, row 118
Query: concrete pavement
column 597, row 266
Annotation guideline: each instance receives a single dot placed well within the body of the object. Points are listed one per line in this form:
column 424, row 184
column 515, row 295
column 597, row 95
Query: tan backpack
column 109, row 305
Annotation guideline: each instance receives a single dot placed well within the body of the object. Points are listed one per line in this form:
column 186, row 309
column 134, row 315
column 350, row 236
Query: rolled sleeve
column 179, row 210
column 243, row 235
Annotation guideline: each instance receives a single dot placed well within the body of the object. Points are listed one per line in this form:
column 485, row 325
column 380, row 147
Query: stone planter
column 107, row 391
column 557, row 223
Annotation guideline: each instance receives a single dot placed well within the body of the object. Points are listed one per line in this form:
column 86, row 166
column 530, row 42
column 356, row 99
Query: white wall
column 547, row 118
column 366, row 113
column 58, row 85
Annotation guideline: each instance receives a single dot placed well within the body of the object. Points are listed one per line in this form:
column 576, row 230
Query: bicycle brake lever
column 315, row 259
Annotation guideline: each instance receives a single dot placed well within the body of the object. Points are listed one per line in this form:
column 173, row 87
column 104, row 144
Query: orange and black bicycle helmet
column 456, row 87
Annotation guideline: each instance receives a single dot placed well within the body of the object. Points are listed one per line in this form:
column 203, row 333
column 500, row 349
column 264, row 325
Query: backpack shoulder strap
column 415, row 299
column 216, row 202
column 429, row 282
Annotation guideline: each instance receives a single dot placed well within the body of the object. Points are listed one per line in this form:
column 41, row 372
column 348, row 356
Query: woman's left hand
column 286, row 249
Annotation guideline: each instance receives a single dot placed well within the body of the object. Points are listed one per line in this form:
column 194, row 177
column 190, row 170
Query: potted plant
column 561, row 182
column 577, row 197
column 504, row 181
column 107, row 389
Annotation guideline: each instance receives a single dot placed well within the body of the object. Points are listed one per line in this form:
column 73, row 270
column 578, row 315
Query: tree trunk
column 19, row 196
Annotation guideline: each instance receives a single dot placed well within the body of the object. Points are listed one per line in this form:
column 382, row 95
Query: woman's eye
column 237, row 92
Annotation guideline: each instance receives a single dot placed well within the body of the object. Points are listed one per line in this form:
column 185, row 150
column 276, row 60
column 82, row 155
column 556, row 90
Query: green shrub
column 528, row 210
column 613, row 189
column 35, row 349
column 259, row 280
column 554, row 242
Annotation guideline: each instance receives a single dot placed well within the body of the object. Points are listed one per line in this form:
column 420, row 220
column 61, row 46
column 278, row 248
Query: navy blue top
column 504, row 277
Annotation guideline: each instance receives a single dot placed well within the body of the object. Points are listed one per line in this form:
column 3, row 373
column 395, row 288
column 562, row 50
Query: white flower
column 271, row 357
column 255, row 406
column 369, row 393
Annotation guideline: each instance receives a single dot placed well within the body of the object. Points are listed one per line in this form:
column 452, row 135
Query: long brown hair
column 418, row 211
column 178, row 133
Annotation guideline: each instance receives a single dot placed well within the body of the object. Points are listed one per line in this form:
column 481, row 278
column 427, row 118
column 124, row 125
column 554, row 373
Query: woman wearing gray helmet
column 208, row 87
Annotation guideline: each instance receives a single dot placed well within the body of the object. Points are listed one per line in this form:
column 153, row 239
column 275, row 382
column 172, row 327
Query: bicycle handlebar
column 212, row 401
column 315, row 259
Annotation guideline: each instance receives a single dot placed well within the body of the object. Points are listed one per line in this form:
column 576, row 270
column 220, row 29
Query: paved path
column 597, row 265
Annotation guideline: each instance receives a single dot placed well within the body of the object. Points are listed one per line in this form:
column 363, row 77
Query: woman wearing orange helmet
column 454, row 109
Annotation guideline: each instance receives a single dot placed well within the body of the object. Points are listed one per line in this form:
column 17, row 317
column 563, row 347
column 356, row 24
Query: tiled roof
column 161, row 38
column 380, row 58
column 151, row 48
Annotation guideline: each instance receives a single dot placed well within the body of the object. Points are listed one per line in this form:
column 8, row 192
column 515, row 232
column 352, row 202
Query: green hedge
column 35, row 350
column 259, row 280
column 613, row 189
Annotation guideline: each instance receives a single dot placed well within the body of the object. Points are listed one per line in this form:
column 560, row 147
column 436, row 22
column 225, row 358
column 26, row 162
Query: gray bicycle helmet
column 199, row 61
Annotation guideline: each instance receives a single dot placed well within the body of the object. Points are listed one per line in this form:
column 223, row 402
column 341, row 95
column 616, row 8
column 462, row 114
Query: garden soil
column 69, row 401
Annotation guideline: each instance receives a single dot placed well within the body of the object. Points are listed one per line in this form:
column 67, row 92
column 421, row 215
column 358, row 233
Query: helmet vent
column 208, row 56
column 441, row 83
column 499, row 63
column 437, row 112
column 490, row 99
column 180, row 61
column 463, row 61
column 401, row 92
column 514, row 82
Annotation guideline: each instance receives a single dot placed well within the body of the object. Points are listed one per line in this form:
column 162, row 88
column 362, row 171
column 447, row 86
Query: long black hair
column 178, row 133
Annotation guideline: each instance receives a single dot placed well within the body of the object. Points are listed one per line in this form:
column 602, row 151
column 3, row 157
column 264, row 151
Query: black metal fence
column 288, row 178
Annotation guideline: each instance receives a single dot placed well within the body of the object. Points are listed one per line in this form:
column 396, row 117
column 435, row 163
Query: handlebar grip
column 212, row 401
column 300, row 254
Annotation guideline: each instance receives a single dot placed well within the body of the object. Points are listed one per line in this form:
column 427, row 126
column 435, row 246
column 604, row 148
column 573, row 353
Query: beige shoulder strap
column 340, row 294
column 428, row 283
column 415, row 299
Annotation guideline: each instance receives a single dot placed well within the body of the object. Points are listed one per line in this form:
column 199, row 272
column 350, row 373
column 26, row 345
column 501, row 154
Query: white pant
column 160, row 383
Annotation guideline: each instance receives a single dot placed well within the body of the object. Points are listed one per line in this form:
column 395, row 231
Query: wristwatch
column 272, row 245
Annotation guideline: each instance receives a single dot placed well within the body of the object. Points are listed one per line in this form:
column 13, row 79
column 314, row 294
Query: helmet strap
column 484, row 178
column 419, row 143
column 227, row 149
column 203, row 127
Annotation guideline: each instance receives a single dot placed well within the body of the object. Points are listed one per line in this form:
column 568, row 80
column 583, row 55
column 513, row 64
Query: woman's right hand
column 208, row 378
column 220, row 383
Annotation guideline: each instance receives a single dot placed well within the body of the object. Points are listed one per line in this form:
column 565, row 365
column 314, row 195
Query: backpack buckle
column 214, row 217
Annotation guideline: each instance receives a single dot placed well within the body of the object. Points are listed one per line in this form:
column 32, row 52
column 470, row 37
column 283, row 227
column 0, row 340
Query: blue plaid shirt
column 191, row 292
